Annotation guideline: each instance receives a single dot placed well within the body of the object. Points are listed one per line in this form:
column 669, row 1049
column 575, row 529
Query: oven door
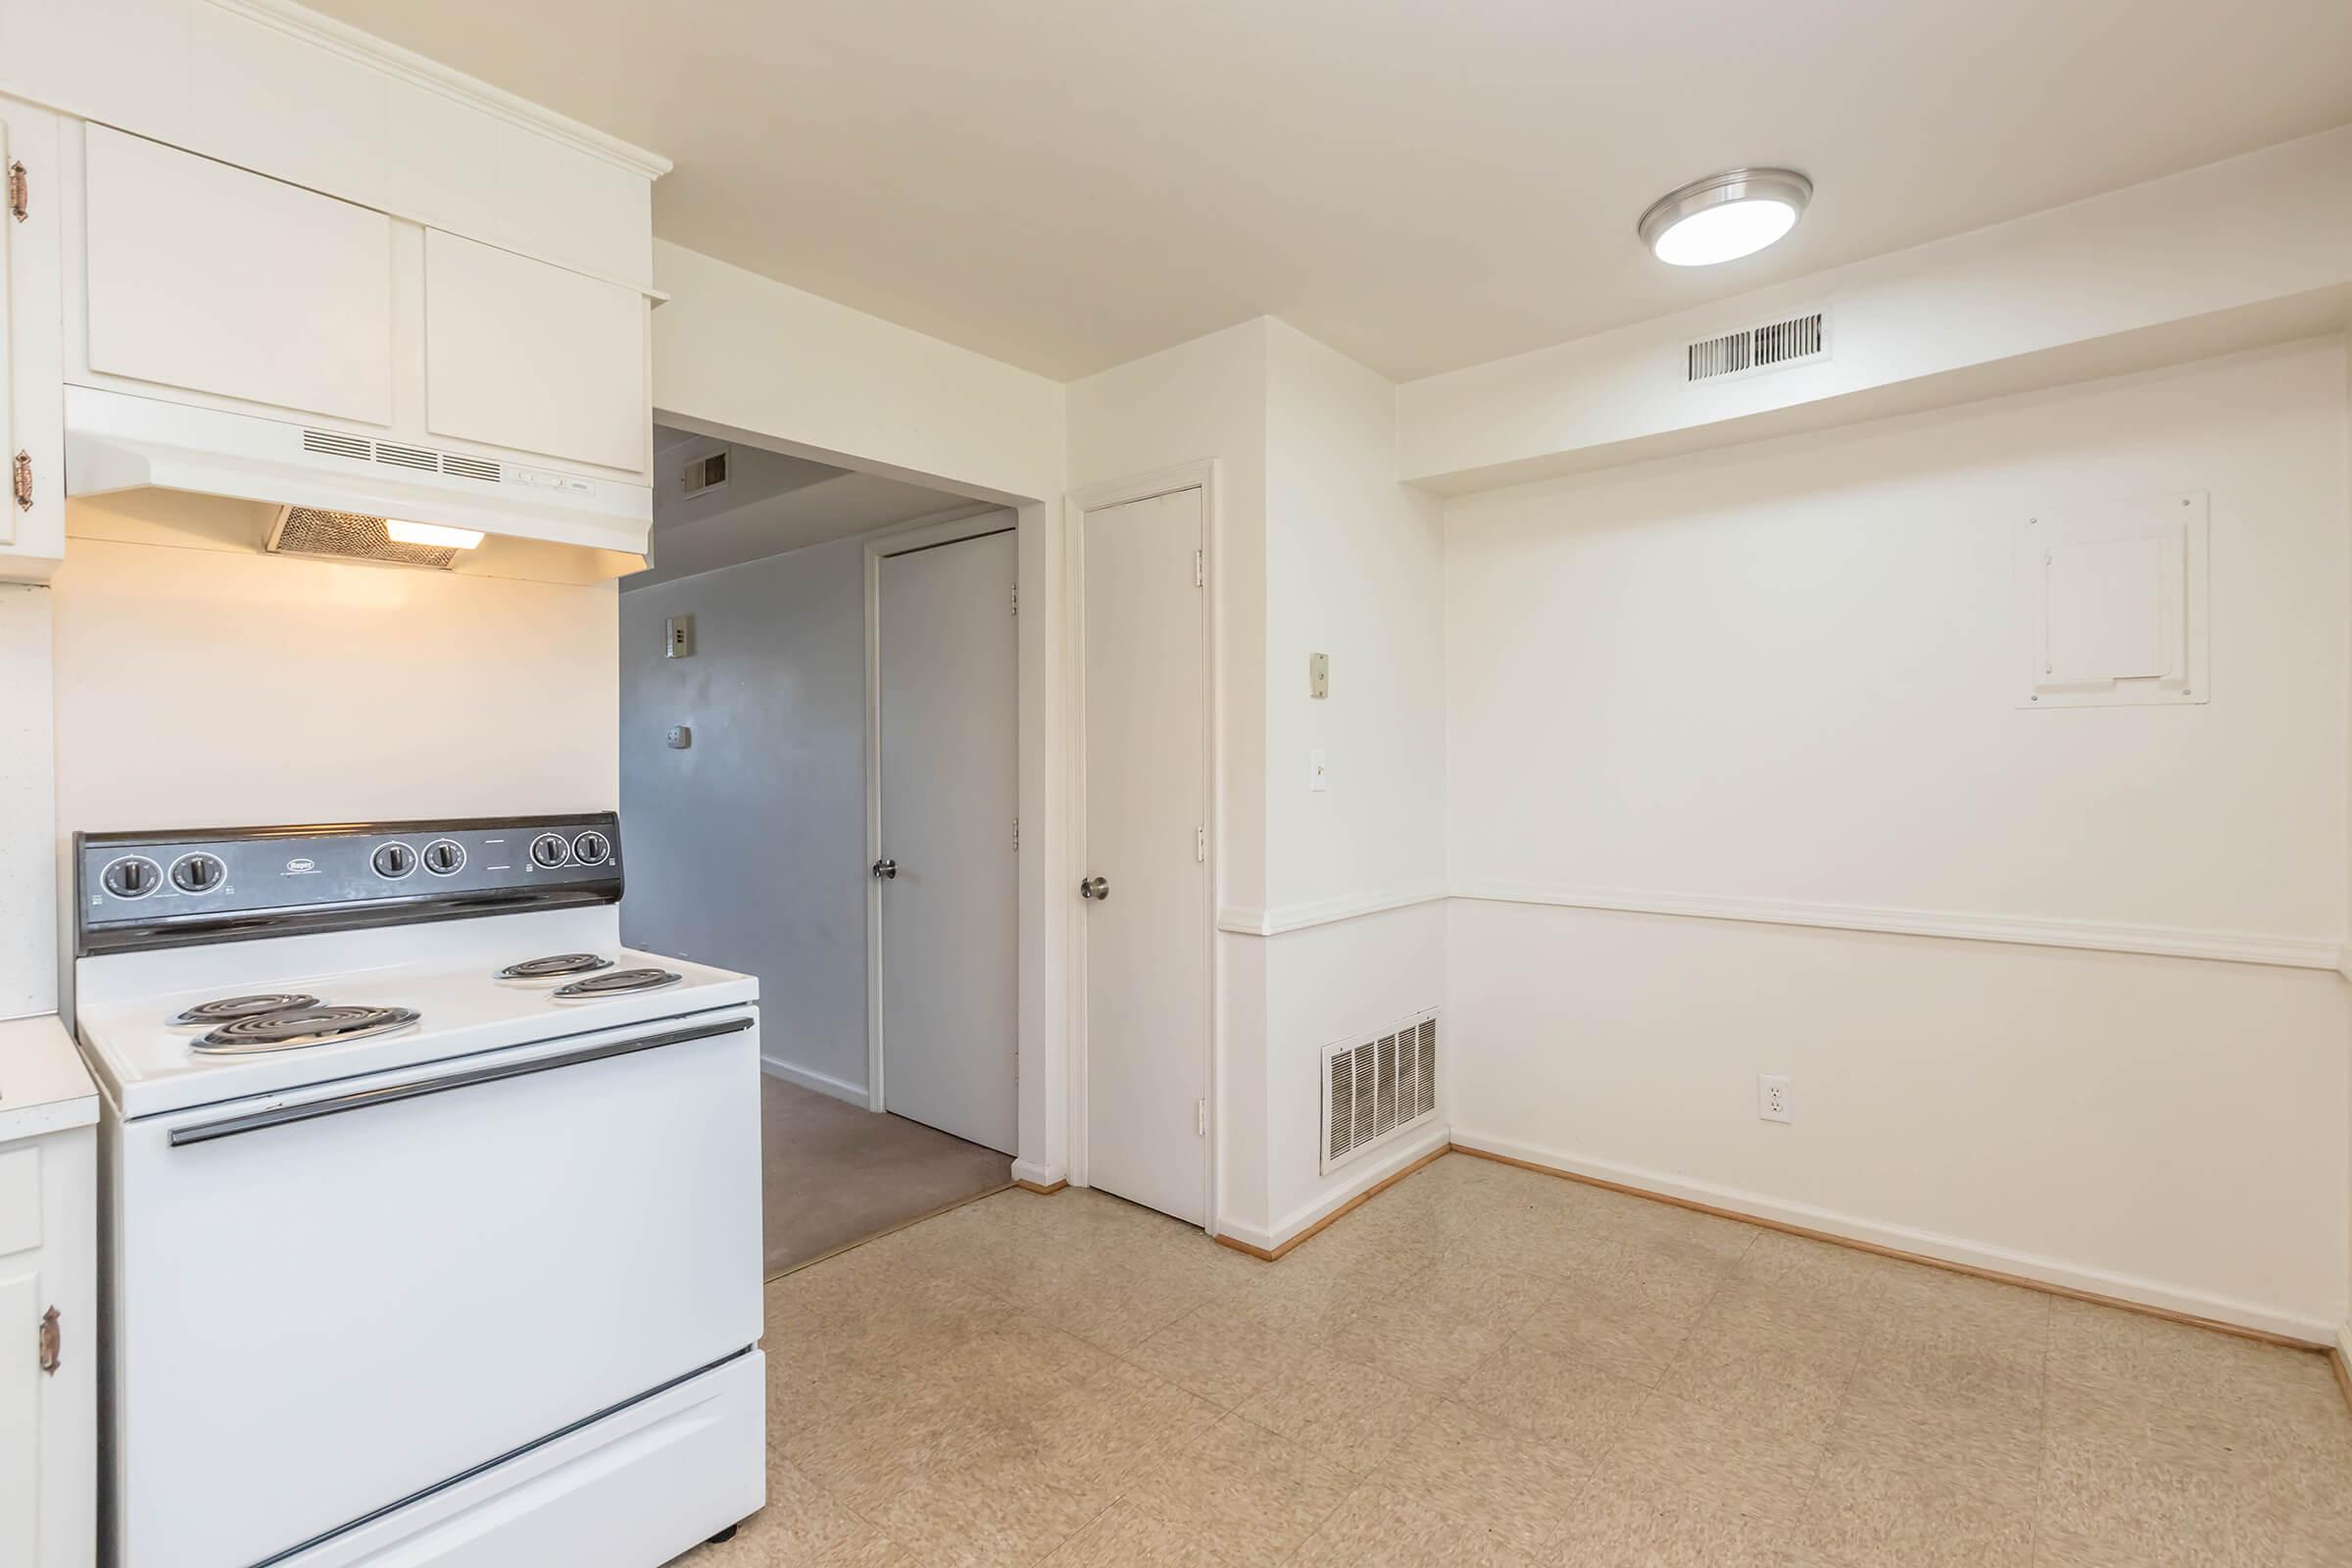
column 332, row 1299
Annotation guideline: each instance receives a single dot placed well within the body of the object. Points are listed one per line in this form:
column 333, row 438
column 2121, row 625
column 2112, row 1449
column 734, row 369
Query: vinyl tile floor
column 1489, row 1366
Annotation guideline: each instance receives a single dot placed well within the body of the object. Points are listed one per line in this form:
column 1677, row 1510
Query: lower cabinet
column 49, row 1349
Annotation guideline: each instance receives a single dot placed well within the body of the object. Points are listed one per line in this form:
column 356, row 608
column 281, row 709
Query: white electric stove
column 432, row 1225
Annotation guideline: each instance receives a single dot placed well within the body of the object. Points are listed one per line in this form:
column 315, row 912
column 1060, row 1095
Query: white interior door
column 1147, row 813
column 948, row 766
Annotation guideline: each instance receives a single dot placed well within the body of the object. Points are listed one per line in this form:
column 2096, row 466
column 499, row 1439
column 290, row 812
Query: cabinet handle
column 20, row 193
column 20, row 475
column 52, row 1342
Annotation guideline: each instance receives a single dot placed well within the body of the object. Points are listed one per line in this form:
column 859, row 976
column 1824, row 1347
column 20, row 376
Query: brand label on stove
column 301, row 866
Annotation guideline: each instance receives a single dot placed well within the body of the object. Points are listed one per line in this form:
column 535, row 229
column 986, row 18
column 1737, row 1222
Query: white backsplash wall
column 1788, row 674
column 747, row 850
column 28, row 861
column 202, row 687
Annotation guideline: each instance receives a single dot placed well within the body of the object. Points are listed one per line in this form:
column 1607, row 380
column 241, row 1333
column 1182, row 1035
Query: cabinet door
column 19, row 1408
column 523, row 355
column 33, row 520
column 208, row 277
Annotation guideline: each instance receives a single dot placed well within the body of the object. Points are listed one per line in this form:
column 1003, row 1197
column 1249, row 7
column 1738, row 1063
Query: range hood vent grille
column 349, row 536
column 358, row 449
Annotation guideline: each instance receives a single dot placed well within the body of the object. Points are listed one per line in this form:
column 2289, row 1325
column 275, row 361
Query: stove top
column 448, row 975
column 295, row 1028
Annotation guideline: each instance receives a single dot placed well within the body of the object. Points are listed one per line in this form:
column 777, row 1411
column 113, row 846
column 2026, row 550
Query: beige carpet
column 834, row 1173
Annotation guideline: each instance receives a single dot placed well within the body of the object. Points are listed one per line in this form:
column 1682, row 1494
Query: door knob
column 1096, row 888
column 886, row 870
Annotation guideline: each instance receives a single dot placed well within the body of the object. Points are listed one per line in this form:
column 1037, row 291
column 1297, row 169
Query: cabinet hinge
column 1201, row 1118
column 20, row 193
column 1017, row 835
column 1199, row 569
column 53, row 1340
column 1200, row 844
column 1016, row 598
column 20, row 476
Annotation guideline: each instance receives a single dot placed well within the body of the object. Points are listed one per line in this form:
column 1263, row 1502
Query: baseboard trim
column 1311, row 1221
column 1036, row 1178
column 2227, row 947
column 2241, row 1319
column 822, row 1083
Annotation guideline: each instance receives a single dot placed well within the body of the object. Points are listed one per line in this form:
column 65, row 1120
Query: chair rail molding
column 1249, row 921
column 2040, row 931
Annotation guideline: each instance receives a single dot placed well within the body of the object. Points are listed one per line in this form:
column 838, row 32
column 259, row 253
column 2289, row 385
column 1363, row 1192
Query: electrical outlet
column 1773, row 1102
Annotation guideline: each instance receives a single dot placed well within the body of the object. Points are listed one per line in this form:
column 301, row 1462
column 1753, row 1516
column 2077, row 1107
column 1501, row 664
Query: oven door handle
column 255, row 1121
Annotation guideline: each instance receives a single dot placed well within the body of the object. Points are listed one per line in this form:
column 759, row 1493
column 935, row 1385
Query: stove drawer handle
column 335, row 1106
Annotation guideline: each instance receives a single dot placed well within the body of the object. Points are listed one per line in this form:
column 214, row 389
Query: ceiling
column 770, row 504
column 1066, row 184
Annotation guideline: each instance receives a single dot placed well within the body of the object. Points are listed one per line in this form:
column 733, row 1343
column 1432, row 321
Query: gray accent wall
column 748, row 848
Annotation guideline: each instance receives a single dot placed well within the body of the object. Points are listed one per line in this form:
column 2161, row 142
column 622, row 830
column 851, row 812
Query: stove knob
column 197, row 873
column 591, row 848
column 550, row 850
column 445, row 856
column 135, row 876
column 394, row 861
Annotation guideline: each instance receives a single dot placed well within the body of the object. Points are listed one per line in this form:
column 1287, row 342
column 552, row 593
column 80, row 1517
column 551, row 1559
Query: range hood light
column 438, row 535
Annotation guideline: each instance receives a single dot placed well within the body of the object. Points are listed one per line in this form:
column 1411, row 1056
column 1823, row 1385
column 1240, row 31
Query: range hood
column 116, row 442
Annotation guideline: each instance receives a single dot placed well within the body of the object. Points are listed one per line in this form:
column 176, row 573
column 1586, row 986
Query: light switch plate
column 679, row 635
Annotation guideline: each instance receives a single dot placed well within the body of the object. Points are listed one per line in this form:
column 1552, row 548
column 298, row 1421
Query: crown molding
column 351, row 43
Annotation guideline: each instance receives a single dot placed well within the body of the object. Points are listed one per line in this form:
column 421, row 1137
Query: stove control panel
column 136, row 889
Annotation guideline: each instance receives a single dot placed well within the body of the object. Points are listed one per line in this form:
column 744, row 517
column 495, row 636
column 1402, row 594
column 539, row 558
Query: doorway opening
column 817, row 690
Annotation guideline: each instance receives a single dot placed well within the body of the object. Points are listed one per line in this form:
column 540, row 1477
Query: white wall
column 747, row 850
column 206, row 687
column 1784, row 674
column 28, row 856
column 1355, row 564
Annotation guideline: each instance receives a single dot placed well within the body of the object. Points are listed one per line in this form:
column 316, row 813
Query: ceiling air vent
column 706, row 472
column 470, row 468
column 1770, row 347
column 1373, row 1089
column 349, row 536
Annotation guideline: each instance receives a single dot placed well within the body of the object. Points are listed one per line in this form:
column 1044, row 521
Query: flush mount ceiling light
column 1725, row 217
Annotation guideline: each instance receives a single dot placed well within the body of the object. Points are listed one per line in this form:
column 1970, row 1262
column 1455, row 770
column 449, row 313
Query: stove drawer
column 331, row 1299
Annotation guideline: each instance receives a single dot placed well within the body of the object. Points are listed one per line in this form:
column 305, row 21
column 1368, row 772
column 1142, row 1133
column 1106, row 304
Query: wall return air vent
column 1375, row 1089
column 1772, row 346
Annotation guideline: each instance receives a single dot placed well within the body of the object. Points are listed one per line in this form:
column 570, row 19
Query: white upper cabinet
column 270, row 86
column 532, row 357
column 204, row 277
column 32, row 492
